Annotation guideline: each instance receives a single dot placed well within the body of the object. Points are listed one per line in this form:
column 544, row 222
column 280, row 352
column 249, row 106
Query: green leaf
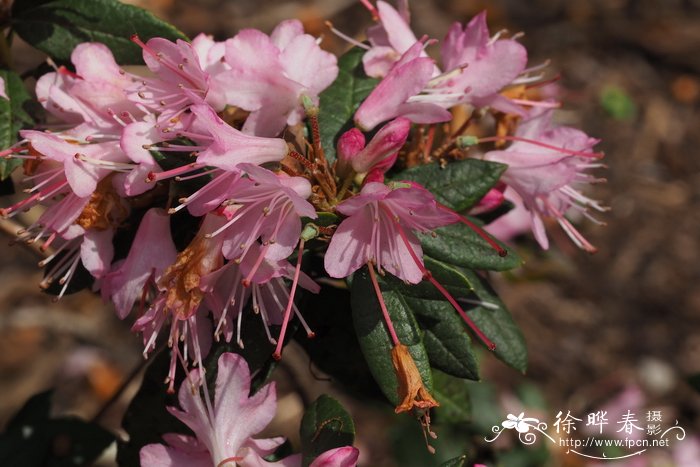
column 453, row 395
column 497, row 324
column 446, row 340
column 33, row 439
column 460, row 245
column 326, row 425
column 14, row 116
column 460, row 184
column 339, row 102
column 56, row 27
column 460, row 461
column 375, row 342
column 450, row 277
column 335, row 348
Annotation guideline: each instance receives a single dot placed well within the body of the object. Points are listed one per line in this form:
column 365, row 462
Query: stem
column 382, row 305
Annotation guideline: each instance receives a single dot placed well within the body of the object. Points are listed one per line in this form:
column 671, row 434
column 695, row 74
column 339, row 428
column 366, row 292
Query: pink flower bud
column 350, row 144
column 385, row 144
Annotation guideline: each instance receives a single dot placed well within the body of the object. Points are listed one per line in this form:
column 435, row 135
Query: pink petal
column 285, row 32
column 345, row 456
column 252, row 414
column 157, row 455
column 398, row 31
column 94, row 61
column 348, row 250
column 378, row 61
column 3, row 91
column 151, row 253
column 97, row 251
column 385, row 101
column 307, row 64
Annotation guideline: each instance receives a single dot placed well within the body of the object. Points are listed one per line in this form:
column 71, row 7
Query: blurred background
column 617, row 330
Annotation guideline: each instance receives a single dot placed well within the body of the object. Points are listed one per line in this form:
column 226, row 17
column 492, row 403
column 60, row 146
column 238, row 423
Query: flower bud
column 385, row 143
column 350, row 144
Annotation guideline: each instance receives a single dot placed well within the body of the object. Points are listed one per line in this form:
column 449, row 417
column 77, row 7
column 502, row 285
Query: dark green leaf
column 34, row 439
column 326, row 425
column 453, row 395
column 497, row 324
column 57, row 26
column 460, row 461
column 450, row 277
column 335, row 348
column 446, row 340
column 374, row 338
column 460, row 245
column 460, row 184
column 14, row 116
column 339, row 102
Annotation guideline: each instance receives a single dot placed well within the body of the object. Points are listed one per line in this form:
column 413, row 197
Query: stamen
column 345, row 37
column 277, row 355
column 594, row 155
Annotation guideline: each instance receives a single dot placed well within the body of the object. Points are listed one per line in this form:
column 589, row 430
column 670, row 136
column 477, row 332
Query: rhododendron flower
column 272, row 73
column 180, row 81
column 180, row 294
column 231, row 287
column 389, row 39
column 93, row 95
column 267, row 207
column 545, row 166
column 224, row 429
column 379, row 229
column 404, row 93
column 489, row 63
column 476, row 68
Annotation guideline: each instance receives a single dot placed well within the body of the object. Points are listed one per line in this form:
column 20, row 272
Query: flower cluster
column 225, row 136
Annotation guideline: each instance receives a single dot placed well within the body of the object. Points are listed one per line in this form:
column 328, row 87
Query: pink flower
column 82, row 206
column 266, row 207
column 218, row 145
column 180, row 81
column 272, row 73
column 545, row 167
column 477, row 67
column 379, row 229
column 384, row 145
column 231, row 287
column 389, row 39
column 224, row 429
column 491, row 63
column 405, row 92
column 180, row 295
column 93, row 95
